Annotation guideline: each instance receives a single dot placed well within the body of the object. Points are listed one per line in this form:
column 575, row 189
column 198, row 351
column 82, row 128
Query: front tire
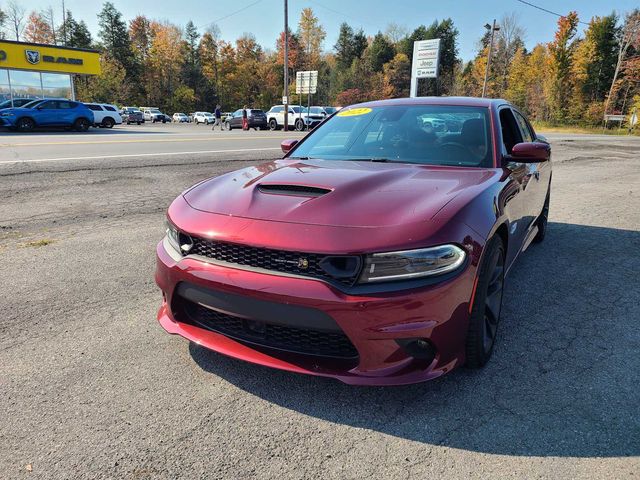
column 81, row 125
column 25, row 125
column 487, row 304
column 227, row 126
column 299, row 125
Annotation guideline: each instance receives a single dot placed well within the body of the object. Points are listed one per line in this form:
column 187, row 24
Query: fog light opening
column 418, row 348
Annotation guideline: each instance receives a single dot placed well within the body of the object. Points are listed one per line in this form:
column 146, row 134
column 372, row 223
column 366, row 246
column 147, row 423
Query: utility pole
column 64, row 25
column 493, row 29
column 286, row 65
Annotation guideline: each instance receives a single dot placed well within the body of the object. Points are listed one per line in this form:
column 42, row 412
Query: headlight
column 181, row 241
column 172, row 235
column 410, row 264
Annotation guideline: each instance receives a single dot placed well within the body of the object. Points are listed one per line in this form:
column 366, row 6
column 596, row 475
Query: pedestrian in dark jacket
column 245, row 120
column 218, row 115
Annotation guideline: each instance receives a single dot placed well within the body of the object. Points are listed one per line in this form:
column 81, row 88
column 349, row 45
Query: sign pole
column 286, row 65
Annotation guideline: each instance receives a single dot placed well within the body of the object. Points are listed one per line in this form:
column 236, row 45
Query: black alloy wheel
column 299, row 125
column 485, row 314
column 81, row 125
column 273, row 125
column 25, row 125
column 108, row 122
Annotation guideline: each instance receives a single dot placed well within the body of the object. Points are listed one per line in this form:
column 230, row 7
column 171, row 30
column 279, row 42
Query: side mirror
column 530, row 152
column 287, row 145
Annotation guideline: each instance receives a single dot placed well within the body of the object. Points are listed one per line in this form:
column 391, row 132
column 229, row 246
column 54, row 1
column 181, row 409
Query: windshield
column 329, row 110
column 154, row 111
column 316, row 111
column 425, row 134
column 31, row 104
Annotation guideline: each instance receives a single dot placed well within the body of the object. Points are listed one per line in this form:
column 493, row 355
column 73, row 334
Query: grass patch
column 543, row 127
column 39, row 243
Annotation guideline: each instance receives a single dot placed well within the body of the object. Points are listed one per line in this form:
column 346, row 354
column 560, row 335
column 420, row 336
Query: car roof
column 457, row 101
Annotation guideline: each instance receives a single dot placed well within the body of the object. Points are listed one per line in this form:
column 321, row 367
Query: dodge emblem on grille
column 303, row 263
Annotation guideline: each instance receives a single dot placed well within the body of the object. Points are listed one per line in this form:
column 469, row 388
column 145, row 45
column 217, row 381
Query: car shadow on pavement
column 117, row 130
column 564, row 379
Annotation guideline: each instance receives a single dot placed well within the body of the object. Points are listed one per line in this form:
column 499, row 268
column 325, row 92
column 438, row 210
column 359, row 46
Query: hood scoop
column 296, row 190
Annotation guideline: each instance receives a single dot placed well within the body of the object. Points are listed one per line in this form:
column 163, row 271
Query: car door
column 516, row 192
column 66, row 112
column 539, row 172
column 236, row 119
column 46, row 114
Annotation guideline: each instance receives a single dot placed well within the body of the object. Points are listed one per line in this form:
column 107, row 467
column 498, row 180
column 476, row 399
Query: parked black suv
column 256, row 118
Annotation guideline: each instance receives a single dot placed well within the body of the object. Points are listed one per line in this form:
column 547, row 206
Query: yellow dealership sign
column 45, row 58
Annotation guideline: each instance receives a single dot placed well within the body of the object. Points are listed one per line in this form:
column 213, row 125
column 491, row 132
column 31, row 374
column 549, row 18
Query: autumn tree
column 508, row 40
column 397, row 76
column 561, row 52
column 38, row 30
column 108, row 87
column 311, row 35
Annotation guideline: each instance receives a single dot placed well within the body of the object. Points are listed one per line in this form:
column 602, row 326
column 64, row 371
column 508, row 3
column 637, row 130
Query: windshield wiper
column 372, row 159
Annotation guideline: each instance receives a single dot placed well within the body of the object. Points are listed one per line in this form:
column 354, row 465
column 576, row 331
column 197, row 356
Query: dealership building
column 32, row 70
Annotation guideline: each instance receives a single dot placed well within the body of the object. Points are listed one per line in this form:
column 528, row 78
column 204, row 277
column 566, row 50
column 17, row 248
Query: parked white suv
column 104, row 114
column 299, row 118
column 203, row 117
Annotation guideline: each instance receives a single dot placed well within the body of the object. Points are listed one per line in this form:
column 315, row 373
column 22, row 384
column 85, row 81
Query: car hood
column 337, row 193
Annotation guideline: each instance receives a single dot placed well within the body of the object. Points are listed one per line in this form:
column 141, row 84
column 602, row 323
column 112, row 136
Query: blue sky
column 265, row 19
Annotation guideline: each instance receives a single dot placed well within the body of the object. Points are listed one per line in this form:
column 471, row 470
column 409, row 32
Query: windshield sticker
column 354, row 112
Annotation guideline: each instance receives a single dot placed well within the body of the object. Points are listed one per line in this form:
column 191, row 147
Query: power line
column 231, row 14
column 344, row 15
column 547, row 11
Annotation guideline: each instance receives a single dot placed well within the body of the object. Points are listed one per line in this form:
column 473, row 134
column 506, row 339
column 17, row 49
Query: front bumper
column 376, row 324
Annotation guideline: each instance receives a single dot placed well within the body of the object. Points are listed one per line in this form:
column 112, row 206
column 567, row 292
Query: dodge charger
column 374, row 252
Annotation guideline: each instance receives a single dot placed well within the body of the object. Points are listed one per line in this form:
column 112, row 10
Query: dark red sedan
column 374, row 252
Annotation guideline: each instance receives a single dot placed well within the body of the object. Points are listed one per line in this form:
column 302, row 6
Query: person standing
column 218, row 115
column 245, row 120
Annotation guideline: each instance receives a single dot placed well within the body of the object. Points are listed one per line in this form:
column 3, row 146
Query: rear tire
column 487, row 304
column 81, row 125
column 542, row 221
column 108, row 122
column 273, row 124
column 25, row 125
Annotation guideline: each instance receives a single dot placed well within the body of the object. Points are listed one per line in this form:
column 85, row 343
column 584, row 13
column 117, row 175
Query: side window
column 109, row 108
column 95, row 108
column 50, row 105
column 65, row 105
column 278, row 109
column 527, row 134
column 510, row 131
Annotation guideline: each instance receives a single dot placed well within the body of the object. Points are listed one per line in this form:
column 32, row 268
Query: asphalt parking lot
column 92, row 387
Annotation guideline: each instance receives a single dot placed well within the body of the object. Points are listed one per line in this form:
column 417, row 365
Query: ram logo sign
column 33, row 56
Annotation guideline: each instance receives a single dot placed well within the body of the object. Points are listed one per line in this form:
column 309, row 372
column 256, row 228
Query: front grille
column 270, row 335
column 298, row 263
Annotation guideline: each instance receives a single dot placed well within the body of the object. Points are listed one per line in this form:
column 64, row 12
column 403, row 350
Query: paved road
column 92, row 387
column 134, row 141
